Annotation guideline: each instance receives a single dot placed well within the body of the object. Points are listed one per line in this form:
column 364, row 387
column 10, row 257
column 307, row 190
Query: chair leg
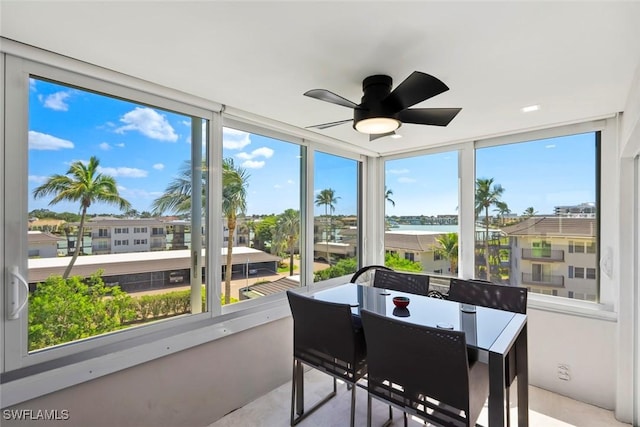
column 353, row 405
column 368, row 410
column 508, row 406
column 297, row 395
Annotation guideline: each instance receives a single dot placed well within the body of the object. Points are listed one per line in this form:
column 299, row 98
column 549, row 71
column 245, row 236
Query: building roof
column 136, row 262
column 34, row 237
column 553, row 226
column 411, row 240
column 277, row 286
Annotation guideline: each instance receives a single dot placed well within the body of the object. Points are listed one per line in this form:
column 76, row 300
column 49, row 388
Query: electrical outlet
column 564, row 372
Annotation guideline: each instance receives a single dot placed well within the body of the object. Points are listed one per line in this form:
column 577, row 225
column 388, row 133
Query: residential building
column 555, row 256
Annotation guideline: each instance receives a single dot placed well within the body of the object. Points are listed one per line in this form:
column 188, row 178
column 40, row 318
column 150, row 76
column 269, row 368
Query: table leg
column 523, row 378
column 496, row 389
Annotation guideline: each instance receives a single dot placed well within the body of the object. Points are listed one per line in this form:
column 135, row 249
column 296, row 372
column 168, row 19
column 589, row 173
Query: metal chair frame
column 423, row 371
column 325, row 338
column 403, row 282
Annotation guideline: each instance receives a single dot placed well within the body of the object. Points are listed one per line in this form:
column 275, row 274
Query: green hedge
column 61, row 311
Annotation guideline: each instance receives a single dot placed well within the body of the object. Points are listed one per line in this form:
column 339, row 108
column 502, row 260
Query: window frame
column 18, row 72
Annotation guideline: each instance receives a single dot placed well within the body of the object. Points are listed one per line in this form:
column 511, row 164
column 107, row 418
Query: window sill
column 572, row 307
column 35, row 381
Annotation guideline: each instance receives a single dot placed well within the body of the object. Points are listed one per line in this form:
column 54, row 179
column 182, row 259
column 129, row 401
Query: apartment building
column 554, row 256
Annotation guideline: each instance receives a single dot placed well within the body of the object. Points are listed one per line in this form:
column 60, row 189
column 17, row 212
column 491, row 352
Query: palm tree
column 234, row 202
column 387, row 196
column 529, row 212
column 287, row 233
column 487, row 194
column 448, row 249
column 327, row 198
column 503, row 210
column 82, row 183
column 177, row 198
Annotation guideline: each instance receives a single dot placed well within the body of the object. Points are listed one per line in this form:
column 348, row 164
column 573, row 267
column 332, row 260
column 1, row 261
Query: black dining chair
column 326, row 338
column 502, row 297
column 403, row 282
column 423, row 371
column 365, row 275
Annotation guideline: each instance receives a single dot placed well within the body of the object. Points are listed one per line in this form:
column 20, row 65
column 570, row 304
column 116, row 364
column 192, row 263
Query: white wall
column 194, row 387
column 587, row 345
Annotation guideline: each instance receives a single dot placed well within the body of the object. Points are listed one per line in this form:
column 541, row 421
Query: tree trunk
column 231, row 224
column 486, row 244
column 79, row 242
column 291, row 260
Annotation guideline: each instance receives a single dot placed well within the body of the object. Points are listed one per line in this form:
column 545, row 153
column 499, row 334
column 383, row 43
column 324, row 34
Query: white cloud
column 32, row 85
column 43, row 141
column 397, row 171
column 406, row 180
column 265, row 152
column 550, row 146
column 56, row 101
column 120, row 144
column 123, row 172
column 277, row 186
column 233, row 139
column 38, row 179
column 149, row 123
column 253, row 164
column 186, row 122
column 105, row 146
column 290, row 181
column 158, row 166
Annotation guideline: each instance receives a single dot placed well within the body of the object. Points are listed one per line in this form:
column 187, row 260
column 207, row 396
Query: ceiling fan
column 382, row 111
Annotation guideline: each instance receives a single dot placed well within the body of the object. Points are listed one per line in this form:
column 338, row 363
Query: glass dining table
column 491, row 333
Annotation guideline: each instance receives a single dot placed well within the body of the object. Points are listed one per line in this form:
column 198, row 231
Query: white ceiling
column 575, row 59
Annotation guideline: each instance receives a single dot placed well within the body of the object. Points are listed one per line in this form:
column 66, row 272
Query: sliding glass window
column 104, row 233
column 421, row 215
column 537, row 215
column 336, row 224
column 261, row 219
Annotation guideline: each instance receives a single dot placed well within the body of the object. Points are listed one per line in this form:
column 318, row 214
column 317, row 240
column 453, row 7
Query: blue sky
column 143, row 149
column 541, row 174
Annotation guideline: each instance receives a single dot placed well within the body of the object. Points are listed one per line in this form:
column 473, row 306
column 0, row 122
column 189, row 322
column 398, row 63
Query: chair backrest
column 366, row 273
column 323, row 332
column 403, row 282
column 487, row 294
column 425, row 362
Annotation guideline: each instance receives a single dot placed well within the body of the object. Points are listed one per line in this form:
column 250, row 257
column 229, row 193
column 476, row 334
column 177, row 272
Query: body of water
column 442, row 228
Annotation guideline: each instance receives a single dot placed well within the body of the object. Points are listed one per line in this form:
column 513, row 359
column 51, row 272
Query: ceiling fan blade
column 415, row 88
column 328, row 125
column 428, row 116
column 374, row 136
column 328, row 96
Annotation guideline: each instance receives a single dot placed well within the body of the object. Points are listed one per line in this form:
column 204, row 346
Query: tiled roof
column 275, row 287
column 409, row 240
column 553, row 226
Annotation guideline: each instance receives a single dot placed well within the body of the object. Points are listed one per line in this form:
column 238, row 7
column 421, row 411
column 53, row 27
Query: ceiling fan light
column 376, row 125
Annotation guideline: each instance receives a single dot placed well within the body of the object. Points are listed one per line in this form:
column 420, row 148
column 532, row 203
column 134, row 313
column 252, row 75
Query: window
column 336, row 228
column 591, row 273
column 134, row 149
column 261, row 201
column 421, row 208
column 539, row 194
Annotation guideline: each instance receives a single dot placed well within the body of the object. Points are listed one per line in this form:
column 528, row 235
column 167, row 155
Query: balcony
column 553, row 280
column 548, row 255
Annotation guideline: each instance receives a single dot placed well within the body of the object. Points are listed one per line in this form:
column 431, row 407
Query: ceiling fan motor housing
column 375, row 89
